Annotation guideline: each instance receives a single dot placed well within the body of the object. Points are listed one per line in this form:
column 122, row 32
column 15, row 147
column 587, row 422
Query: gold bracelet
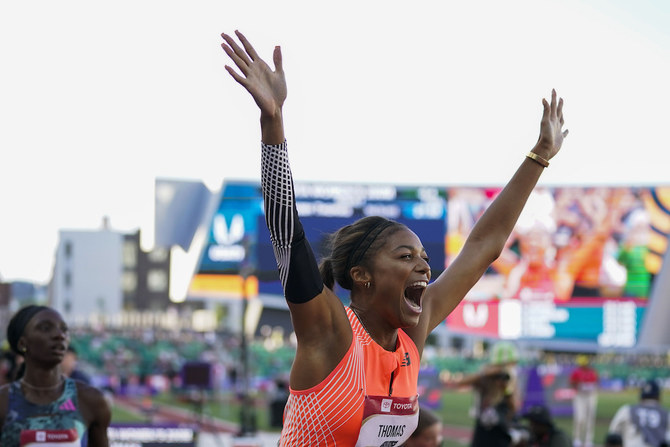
column 537, row 159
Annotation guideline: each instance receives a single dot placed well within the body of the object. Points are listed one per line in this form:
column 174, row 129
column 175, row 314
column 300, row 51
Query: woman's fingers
column 277, row 59
column 546, row 116
column 243, row 66
column 236, row 76
column 247, row 46
column 553, row 103
column 268, row 88
column 238, row 51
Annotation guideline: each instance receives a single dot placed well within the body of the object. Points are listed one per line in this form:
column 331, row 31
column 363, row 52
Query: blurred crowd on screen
column 569, row 243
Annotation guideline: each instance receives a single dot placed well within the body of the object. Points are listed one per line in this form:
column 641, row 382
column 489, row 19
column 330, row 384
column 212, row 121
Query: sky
column 98, row 99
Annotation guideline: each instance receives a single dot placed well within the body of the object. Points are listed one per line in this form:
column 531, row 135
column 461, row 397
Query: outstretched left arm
column 488, row 236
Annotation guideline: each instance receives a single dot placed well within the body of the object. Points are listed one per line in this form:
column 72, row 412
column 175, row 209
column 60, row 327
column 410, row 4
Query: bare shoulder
column 88, row 394
column 92, row 402
column 96, row 412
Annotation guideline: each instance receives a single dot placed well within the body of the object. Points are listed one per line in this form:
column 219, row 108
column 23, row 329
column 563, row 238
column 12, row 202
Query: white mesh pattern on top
column 279, row 201
column 316, row 418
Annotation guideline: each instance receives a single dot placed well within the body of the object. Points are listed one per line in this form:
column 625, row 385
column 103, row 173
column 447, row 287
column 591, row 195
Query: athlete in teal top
column 60, row 419
column 44, row 406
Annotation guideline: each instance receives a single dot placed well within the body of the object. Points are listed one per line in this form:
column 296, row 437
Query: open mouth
column 413, row 294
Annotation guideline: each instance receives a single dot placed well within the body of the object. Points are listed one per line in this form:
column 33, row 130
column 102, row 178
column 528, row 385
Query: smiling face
column 45, row 338
column 400, row 274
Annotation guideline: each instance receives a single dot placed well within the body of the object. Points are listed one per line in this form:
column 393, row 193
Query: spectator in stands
column 584, row 380
column 644, row 424
column 43, row 402
column 9, row 366
column 69, row 366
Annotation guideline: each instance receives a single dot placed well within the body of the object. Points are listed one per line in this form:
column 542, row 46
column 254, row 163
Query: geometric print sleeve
column 298, row 269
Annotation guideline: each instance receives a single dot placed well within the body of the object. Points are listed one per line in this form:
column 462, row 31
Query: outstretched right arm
column 319, row 320
column 267, row 87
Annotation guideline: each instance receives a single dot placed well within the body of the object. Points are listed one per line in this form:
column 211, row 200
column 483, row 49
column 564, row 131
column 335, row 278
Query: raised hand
column 551, row 128
column 267, row 87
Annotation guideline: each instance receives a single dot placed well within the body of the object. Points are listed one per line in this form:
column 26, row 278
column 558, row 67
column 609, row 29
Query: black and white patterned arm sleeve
column 298, row 269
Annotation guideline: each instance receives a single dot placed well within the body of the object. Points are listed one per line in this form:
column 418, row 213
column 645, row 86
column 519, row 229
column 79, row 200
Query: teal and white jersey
column 57, row 424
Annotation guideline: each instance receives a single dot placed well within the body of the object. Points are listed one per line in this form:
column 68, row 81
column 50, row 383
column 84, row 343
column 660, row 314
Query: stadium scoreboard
column 579, row 265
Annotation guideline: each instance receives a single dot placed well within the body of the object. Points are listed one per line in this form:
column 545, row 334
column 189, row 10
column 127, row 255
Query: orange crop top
column 368, row 400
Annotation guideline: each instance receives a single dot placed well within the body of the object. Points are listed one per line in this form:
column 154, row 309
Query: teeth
column 413, row 293
column 413, row 304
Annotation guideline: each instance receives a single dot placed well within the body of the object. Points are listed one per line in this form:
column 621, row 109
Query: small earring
column 367, row 285
column 23, row 349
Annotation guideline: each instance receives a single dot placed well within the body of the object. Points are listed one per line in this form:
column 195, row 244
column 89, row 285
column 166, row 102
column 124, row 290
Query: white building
column 88, row 271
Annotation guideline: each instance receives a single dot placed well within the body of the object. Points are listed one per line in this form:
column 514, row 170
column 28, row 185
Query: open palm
column 267, row 87
column 551, row 127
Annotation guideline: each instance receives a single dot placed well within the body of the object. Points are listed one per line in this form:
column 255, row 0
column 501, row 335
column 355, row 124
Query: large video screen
column 239, row 241
column 579, row 265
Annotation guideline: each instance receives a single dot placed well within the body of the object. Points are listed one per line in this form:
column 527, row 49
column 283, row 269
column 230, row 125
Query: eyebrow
column 409, row 247
column 50, row 321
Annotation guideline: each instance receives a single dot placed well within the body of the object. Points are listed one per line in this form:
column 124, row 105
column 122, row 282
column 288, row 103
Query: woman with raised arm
column 354, row 378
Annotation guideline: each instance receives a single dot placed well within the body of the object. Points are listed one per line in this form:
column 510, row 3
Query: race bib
column 388, row 421
column 49, row 438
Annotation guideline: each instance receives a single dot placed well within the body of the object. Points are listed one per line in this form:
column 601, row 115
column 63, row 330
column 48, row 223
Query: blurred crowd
column 153, row 360
column 147, row 362
column 569, row 243
column 137, row 357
